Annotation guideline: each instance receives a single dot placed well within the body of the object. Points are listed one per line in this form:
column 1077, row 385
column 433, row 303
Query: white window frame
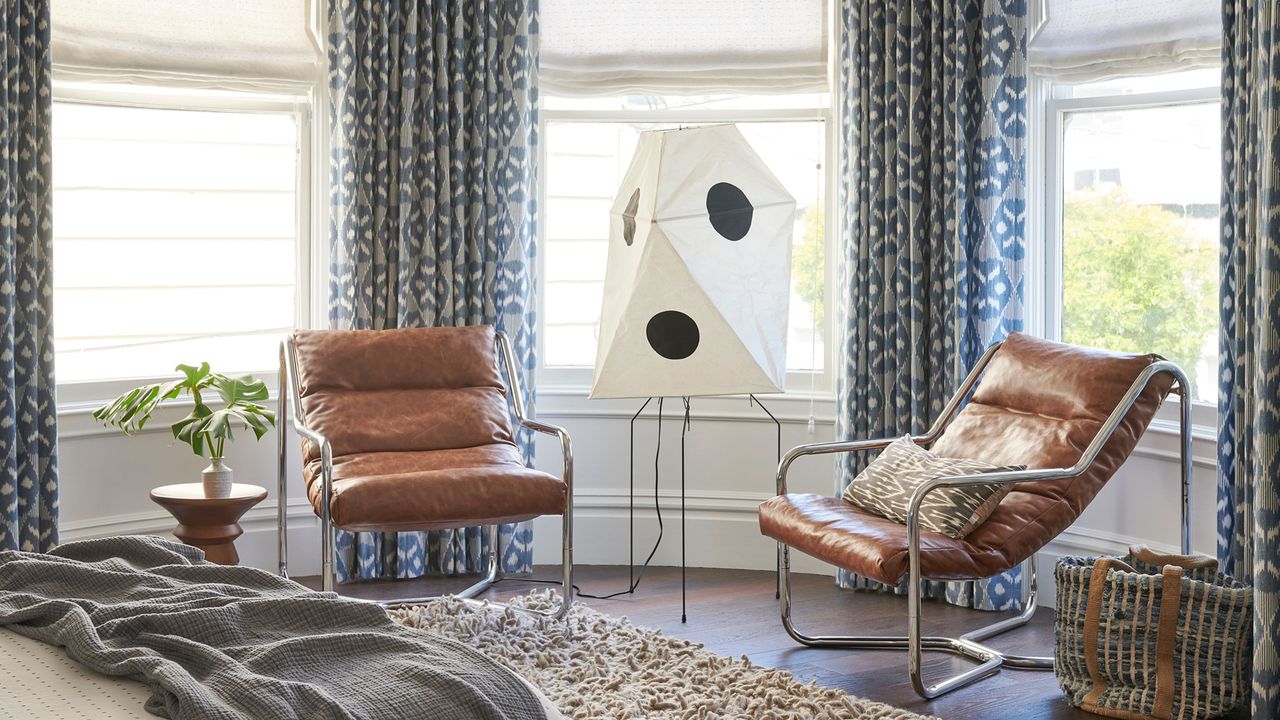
column 310, row 206
column 1054, row 101
column 577, row 380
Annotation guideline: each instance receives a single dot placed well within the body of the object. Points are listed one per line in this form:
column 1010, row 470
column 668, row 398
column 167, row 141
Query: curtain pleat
column 28, row 410
column 933, row 131
column 434, row 129
column 1249, row 391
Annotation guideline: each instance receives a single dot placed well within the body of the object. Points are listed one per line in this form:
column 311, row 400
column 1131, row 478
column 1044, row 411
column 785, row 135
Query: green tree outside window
column 1136, row 278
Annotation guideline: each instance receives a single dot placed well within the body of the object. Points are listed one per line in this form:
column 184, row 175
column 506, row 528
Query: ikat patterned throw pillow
column 884, row 488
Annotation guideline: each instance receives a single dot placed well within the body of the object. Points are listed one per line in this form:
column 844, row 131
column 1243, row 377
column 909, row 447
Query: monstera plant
column 205, row 428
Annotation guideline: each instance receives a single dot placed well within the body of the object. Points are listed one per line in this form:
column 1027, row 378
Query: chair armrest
column 828, row 448
column 566, row 449
column 326, row 458
column 518, row 403
column 306, row 432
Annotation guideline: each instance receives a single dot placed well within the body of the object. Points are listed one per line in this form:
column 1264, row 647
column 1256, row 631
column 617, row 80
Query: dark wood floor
column 733, row 612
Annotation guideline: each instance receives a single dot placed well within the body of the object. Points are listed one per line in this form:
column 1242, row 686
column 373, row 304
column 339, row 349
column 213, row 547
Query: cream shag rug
column 595, row 666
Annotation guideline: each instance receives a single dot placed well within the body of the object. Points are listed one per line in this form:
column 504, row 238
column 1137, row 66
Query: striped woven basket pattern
column 1152, row 636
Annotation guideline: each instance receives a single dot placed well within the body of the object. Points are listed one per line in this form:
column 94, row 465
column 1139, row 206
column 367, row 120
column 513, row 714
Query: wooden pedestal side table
column 211, row 524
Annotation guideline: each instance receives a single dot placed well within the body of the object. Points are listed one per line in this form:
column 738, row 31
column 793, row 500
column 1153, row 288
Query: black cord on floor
column 657, row 509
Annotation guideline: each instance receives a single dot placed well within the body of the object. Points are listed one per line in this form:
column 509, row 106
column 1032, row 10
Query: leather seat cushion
column 435, row 489
column 844, row 535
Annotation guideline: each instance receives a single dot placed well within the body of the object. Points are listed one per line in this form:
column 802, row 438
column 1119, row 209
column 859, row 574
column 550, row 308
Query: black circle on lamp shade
column 629, row 218
column 672, row 334
column 729, row 211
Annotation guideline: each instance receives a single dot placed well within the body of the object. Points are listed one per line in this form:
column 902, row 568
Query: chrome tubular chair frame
column 290, row 413
column 969, row 645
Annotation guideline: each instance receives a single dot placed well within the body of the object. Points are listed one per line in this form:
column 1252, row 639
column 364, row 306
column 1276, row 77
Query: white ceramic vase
column 217, row 479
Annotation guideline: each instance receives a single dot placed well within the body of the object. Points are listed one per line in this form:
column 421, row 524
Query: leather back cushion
column 402, row 390
column 1039, row 404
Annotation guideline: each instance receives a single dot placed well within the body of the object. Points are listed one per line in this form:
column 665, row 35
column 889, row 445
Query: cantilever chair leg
column 493, row 573
column 968, row 645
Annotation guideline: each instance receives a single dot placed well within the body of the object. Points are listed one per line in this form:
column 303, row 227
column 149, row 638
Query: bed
column 41, row 681
column 221, row 649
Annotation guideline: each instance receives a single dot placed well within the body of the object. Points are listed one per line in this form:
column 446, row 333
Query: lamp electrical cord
column 657, row 509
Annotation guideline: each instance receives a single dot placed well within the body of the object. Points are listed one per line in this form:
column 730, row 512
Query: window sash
column 1057, row 101
column 296, row 99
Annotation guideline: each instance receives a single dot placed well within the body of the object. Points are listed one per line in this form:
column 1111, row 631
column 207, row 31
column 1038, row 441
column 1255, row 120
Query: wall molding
column 1087, row 541
column 260, row 518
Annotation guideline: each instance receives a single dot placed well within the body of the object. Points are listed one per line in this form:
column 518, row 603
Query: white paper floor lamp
column 697, row 284
column 697, row 287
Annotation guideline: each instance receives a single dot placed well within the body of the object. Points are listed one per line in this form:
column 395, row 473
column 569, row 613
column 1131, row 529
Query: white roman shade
column 219, row 43
column 1091, row 40
column 679, row 47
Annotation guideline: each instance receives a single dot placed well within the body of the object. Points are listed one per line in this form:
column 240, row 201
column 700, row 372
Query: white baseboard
column 722, row 532
column 1086, row 542
column 257, row 547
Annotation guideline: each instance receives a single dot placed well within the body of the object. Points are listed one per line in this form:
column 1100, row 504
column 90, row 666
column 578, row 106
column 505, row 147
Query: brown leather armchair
column 1071, row 415
column 408, row 429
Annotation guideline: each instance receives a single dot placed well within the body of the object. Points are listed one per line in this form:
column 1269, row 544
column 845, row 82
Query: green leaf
column 195, row 377
column 204, row 428
column 171, row 390
column 191, row 429
column 218, row 426
column 253, row 420
column 245, row 389
column 130, row 411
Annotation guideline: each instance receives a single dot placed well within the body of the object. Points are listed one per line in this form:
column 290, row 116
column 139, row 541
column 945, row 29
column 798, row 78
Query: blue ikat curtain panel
column 933, row 129
column 28, row 415
column 434, row 129
column 1249, row 394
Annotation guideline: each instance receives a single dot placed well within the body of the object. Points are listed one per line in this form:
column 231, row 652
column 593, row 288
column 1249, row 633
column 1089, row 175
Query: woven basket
column 1152, row 636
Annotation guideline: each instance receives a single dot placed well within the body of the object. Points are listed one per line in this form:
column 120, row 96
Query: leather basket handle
column 1166, row 633
column 1194, row 561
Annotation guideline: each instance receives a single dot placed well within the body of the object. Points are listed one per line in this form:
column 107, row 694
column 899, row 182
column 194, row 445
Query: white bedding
column 40, row 681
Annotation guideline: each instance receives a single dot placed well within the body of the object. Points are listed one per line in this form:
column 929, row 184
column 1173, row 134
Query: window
column 589, row 144
column 1133, row 221
column 176, row 238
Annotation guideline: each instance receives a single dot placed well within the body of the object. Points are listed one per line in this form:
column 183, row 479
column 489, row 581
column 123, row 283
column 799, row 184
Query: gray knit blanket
column 216, row 642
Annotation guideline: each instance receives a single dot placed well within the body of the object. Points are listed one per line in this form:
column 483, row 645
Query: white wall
column 106, row 477
column 729, row 471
